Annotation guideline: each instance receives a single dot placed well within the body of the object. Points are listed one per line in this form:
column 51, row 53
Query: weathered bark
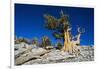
column 71, row 45
column 67, row 42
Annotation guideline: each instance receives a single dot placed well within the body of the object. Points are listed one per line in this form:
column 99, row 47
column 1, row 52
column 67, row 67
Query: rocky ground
column 26, row 54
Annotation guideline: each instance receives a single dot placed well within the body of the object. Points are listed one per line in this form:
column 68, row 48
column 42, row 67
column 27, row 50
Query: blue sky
column 29, row 21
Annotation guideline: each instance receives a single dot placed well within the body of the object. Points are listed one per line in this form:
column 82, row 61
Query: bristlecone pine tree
column 62, row 30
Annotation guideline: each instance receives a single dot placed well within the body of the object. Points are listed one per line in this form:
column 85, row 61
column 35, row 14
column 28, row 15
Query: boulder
column 57, row 55
column 21, row 49
column 35, row 54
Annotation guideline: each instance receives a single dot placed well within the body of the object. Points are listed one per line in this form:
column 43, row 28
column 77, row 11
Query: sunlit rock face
column 28, row 54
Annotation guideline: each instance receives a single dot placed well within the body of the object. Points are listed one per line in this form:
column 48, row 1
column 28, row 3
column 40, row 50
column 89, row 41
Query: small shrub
column 59, row 45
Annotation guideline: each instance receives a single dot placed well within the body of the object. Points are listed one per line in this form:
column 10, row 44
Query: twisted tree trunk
column 67, row 43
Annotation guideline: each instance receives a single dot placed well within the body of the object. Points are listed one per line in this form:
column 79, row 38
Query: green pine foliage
column 45, row 41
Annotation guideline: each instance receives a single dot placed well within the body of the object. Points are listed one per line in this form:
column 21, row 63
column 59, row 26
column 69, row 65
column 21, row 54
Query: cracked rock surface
column 27, row 55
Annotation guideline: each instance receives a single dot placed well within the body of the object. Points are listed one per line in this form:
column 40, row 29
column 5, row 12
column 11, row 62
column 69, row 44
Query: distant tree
column 35, row 41
column 45, row 41
column 20, row 40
